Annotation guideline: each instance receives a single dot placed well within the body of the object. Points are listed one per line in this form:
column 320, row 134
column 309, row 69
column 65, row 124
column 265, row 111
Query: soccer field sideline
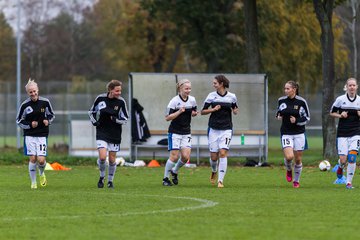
column 255, row 204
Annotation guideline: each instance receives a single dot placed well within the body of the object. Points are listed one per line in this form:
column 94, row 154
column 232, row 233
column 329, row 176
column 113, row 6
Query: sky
column 42, row 10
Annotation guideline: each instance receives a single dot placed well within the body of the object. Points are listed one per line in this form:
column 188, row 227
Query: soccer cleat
column 43, row 180
column 101, row 182
column 220, row 184
column 296, row 184
column 349, row 186
column 339, row 172
column 174, row 177
column 166, row 182
column 289, row 176
column 340, row 180
column 213, row 177
column 110, row 185
column 33, row 186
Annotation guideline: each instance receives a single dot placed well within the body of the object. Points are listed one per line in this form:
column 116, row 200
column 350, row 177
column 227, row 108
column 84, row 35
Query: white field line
column 204, row 203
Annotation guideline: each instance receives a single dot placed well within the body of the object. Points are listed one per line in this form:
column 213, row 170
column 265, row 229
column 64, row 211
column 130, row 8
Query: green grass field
column 256, row 203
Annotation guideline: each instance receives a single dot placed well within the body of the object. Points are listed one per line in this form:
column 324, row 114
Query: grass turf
column 256, row 203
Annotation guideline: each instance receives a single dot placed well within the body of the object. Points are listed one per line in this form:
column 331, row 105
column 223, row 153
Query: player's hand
column 182, row 109
column 236, row 111
column 292, row 119
column 34, row 124
column 194, row 113
column 46, row 122
column 217, row 108
column 96, row 124
column 343, row 115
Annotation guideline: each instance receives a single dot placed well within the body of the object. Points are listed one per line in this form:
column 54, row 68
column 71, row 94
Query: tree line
column 120, row 36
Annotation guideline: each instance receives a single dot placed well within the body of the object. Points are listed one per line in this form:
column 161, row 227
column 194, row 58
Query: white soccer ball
column 324, row 165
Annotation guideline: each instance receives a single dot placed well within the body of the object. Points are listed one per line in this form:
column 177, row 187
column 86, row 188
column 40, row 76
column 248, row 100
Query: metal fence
column 71, row 100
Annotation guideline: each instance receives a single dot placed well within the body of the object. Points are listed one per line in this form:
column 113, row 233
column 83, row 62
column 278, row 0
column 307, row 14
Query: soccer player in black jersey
column 294, row 113
column 221, row 104
column 34, row 117
column 179, row 111
column 347, row 108
column 108, row 114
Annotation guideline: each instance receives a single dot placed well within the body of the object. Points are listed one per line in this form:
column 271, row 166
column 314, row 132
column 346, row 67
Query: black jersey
column 181, row 124
column 108, row 115
column 221, row 119
column 350, row 126
column 38, row 111
column 296, row 107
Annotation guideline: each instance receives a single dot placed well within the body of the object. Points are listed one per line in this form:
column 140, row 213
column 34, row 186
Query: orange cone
column 58, row 166
column 153, row 163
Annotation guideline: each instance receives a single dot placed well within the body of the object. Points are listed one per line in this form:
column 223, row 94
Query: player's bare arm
column 175, row 114
column 340, row 115
column 210, row 110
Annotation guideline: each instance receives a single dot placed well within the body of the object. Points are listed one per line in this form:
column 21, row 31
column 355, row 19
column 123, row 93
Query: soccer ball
column 324, row 165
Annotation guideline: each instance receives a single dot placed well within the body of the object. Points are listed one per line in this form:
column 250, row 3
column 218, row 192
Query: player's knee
column 289, row 157
column 102, row 160
column 185, row 159
column 352, row 156
column 174, row 155
column 223, row 153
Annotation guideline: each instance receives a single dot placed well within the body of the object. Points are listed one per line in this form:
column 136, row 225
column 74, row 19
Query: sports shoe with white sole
column 220, row 184
column 43, row 180
column 34, row 186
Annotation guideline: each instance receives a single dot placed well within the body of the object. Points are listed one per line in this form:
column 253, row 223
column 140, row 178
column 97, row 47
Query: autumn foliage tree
column 290, row 44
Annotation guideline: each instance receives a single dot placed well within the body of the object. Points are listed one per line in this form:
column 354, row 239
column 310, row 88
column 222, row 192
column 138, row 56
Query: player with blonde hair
column 179, row 111
column 34, row 117
column 347, row 109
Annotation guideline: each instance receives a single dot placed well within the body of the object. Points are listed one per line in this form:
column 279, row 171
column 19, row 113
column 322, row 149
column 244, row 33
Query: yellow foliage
column 291, row 46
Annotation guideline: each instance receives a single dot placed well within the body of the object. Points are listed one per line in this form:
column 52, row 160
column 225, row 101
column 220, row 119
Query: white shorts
column 346, row 144
column 298, row 141
column 35, row 146
column 111, row 147
column 178, row 141
column 219, row 139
